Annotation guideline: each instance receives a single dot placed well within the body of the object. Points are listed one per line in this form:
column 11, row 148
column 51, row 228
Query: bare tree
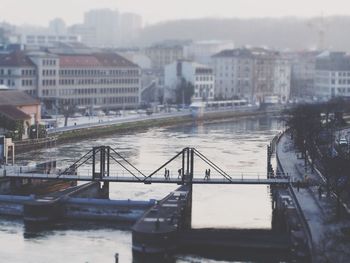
column 67, row 109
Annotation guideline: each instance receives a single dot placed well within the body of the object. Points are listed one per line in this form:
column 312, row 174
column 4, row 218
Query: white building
column 234, row 70
column 201, row 51
column 282, row 79
column 253, row 74
column 332, row 75
column 201, row 77
column 45, row 40
column 104, row 80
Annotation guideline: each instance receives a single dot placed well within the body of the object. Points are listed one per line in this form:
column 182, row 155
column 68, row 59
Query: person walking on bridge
column 180, row 172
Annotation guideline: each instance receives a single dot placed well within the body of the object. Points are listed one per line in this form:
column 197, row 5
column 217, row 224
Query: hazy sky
column 39, row 12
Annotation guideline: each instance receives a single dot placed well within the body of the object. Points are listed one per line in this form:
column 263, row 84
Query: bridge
column 165, row 226
column 101, row 160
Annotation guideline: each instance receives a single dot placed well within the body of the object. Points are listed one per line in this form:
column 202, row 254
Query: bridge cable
column 213, row 165
column 71, row 166
column 127, row 162
column 165, row 164
column 126, row 169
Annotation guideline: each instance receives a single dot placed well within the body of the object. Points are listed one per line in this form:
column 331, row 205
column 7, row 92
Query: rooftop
column 95, row 60
column 13, row 113
column 16, row 59
column 16, row 98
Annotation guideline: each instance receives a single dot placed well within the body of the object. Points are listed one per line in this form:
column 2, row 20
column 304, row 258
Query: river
column 237, row 146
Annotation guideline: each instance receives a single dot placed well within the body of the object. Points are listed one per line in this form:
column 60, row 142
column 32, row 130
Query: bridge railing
column 173, row 174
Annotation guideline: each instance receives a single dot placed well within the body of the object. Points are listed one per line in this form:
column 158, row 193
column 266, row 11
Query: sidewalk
column 327, row 235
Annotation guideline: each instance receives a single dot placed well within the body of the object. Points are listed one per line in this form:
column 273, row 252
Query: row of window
column 28, row 72
column 97, row 81
column 341, row 74
column 342, row 81
column 343, row 90
column 203, row 95
column 204, row 78
column 48, row 82
column 49, row 72
column 5, row 72
column 98, row 72
column 67, row 92
column 203, row 86
column 27, row 82
column 105, row 100
column 9, row 82
column 49, row 62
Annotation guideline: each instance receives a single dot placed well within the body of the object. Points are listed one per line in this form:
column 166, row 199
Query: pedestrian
column 208, row 173
column 179, row 175
column 168, row 174
column 165, row 173
column 298, row 185
column 320, row 192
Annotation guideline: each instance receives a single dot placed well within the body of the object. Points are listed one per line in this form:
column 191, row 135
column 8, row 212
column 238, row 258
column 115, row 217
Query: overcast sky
column 39, row 12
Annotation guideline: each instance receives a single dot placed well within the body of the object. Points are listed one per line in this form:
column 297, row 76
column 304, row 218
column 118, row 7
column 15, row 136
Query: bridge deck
column 162, row 180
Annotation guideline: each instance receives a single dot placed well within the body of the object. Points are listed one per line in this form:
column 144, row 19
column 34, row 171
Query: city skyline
column 150, row 11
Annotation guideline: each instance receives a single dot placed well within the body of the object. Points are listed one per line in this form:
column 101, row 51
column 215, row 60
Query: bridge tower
column 101, row 165
column 188, row 171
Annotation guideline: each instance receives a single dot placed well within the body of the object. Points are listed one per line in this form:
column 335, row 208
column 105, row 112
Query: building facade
column 46, row 40
column 164, row 53
column 332, row 75
column 253, row 74
column 201, row 51
column 103, row 80
column 303, row 73
column 18, row 106
column 201, row 77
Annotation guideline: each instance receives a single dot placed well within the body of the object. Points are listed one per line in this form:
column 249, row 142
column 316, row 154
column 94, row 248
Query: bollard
column 116, row 257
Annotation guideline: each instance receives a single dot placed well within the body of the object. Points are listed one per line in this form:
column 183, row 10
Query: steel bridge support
column 103, row 162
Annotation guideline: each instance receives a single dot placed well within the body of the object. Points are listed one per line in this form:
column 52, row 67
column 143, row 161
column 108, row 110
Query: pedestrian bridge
column 104, row 164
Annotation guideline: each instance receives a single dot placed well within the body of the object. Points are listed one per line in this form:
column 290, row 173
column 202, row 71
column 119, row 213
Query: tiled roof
column 72, row 61
column 234, row 53
column 94, row 60
column 16, row 98
column 16, row 59
column 113, row 60
column 13, row 113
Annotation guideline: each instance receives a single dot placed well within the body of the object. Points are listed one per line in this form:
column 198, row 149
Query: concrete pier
column 75, row 203
column 157, row 231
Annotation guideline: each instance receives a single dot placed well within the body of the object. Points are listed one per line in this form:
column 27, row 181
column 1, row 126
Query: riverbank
column 330, row 236
column 136, row 123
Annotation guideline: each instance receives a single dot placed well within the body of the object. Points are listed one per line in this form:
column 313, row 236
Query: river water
column 237, row 146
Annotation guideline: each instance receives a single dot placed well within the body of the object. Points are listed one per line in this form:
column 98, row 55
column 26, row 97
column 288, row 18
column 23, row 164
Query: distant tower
column 57, row 27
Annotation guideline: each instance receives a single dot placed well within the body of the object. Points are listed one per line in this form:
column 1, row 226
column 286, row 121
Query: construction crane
column 320, row 25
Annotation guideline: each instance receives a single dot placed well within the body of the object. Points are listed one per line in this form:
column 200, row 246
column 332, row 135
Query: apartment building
column 17, row 71
column 332, row 75
column 233, row 69
column 253, row 74
column 200, row 76
column 201, row 51
column 164, row 53
column 104, row 80
column 303, row 73
column 46, row 40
